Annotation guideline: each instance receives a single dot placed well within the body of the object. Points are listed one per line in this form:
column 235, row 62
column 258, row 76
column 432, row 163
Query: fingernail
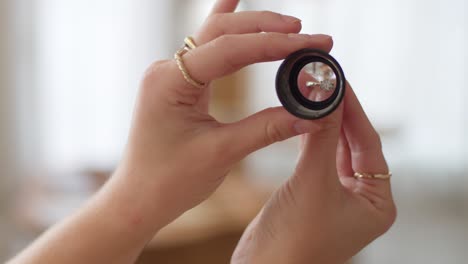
column 313, row 37
column 299, row 36
column 322, row 37
column 303, row 126
column 291, row 19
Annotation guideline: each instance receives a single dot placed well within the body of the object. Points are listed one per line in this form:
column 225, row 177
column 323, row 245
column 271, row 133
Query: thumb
column 262, row 129
column 317, row 161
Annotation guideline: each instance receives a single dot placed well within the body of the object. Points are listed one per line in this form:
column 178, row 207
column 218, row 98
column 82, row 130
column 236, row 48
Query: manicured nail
column 299, row 36
column 322, row 36
column 303, row 126
column 314, row 37
column 291, row 19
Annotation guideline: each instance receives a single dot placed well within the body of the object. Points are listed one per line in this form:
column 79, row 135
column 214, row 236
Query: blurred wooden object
column 205, row 234
column 214, row 250
column 209, row 232
column 229, row 97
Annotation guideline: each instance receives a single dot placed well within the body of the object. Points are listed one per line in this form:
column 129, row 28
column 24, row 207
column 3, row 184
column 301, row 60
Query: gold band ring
column 189, row 45
column 363, row 175
column 190, row 42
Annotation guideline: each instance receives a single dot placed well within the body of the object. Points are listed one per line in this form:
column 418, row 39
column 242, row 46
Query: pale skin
column 321, row 214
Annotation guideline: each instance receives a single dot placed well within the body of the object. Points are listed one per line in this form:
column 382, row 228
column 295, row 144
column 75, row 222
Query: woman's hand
column 322, row 214
column 178, row 154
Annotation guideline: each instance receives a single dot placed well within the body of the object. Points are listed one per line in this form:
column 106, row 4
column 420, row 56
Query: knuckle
column 267, row 13
column 377, row 140
column 156, row 69
column 272, row 110
column 372, row 145
column 273, row 133
column 287, row 196
column 328, row 124
column 223, row 40
column 219, row 42
column 273, row 35
column 388, row 219
column 270, row 51
column 214, row 19
column 229, row 59
column 152, row 75
column 213, row 22
column 392, row 216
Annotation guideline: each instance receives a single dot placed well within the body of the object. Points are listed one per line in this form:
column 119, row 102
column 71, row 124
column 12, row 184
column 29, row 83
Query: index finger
column 230, row 53
column 364, row 141
column 365, row 148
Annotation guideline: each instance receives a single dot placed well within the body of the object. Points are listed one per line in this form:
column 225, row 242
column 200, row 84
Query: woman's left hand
column 322, row 214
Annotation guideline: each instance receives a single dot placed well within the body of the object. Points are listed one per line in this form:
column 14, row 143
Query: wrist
column 132, row 208
column 141, row 200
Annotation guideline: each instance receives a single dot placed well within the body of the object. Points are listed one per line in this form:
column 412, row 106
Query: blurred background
column 70, row 70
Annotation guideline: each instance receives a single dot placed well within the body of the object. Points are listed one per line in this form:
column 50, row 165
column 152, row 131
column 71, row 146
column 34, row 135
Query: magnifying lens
column 310, row 84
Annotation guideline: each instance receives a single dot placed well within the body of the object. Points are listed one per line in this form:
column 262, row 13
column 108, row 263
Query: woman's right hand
column 322, row 214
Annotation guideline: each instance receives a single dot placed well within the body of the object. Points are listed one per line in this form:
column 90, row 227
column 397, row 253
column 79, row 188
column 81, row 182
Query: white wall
column 91, row 56
column 12, row 40
column 407, row 61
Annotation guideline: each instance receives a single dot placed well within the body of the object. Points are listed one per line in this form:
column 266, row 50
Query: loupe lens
column 310, row 84
column 316, row 81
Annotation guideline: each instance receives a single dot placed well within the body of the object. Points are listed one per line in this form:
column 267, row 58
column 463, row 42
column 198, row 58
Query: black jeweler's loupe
column 310, row 84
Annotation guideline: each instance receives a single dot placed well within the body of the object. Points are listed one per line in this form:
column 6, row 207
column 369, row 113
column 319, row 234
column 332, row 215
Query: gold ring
column 363, row 175
column 189, row 44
